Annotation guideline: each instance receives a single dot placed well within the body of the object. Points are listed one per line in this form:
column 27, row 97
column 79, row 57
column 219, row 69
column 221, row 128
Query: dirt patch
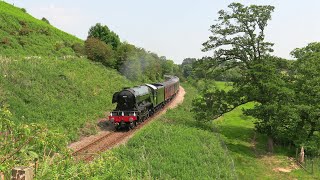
column 277, row 164
column 113, row 138
column 292, row 166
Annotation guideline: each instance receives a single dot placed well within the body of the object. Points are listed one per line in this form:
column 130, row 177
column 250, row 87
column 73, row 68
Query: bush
column 59, row 45
column 78, row 48
column 24, row 10
column 5, row 41
column 44, row 31
column 25, row 31
column 22, row 23
column 22, row 41
column 99, row 51
column 45, row 20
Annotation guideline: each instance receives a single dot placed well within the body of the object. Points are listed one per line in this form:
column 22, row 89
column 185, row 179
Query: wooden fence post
column 301, row 158
column 1, row 176
column 22, row 173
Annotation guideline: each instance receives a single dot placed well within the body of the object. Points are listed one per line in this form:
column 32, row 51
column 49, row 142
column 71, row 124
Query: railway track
column 113, row 138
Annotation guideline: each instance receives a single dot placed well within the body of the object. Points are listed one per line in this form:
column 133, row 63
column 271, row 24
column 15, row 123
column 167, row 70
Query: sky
column 176, row 28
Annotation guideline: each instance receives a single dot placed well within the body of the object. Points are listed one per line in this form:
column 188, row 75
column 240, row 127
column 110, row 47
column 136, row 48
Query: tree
column 305, row 82
column 104, row 34
column 238, row 37
column 167, row 67
column 99, row 51
column 238, row 41
column 187, row 65
column 124, row 52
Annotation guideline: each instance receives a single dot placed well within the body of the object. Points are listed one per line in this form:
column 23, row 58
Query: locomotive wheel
column 117, row 128
column 132, row 125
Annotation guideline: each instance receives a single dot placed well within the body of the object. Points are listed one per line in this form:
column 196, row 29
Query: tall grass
column 176, row 147
column 65, row 94
column 23, row 35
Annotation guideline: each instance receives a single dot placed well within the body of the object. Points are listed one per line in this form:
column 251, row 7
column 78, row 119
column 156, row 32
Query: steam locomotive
column 134, row 105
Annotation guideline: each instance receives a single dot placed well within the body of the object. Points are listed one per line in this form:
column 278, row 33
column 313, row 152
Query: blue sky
column 176, row 29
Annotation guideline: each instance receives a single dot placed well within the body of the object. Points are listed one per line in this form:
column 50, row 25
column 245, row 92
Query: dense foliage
column 285, row 93
column 99, row 51
column 137, row 64
column 104, row 34
column 23, row 144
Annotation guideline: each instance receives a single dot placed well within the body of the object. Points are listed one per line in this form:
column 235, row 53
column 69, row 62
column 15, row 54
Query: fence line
column 310, row 165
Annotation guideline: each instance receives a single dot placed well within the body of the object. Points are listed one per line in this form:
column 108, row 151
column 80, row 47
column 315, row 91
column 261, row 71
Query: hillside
column 42, row 85
column 65, row 94
column 23, row 35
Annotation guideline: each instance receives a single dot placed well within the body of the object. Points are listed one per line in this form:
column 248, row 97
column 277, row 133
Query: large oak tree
column 238, row 41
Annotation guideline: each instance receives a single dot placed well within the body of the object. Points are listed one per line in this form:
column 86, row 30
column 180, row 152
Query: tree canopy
column 286, row 94
column 103, row 33
column 238, row 41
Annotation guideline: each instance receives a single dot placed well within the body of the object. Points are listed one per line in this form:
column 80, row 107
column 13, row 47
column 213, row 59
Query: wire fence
column 311, row 164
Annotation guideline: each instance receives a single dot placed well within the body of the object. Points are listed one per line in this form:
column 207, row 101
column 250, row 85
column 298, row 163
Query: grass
column 66, row 94
column 176, row 147
column 248, row 148
column 23, row 35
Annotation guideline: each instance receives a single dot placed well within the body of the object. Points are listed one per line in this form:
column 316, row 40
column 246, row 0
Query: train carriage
column 171, row 87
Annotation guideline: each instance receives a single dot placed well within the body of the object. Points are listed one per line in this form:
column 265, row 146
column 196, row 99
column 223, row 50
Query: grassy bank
column 23, row 35
column 175, row 146
column 65, row 94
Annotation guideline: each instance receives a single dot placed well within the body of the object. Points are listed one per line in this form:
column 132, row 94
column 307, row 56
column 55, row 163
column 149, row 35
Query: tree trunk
column 270, row 144
column 301, row 158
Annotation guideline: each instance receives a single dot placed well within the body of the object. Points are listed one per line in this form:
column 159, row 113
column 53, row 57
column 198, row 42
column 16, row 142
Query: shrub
column 13, row 33
column 67, row 44
column 22, row 41
column 59, row 45
column 45, row 20
column 5, row 41
column 99, row 51
column 44, row 31
column 78, row 48
column 24, row 31
column 24, row 10
column 22, row 23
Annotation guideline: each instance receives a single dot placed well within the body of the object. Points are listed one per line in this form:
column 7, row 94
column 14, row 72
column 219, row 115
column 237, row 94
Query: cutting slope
column 23, row 35
column 65, row 94
column 43, row 85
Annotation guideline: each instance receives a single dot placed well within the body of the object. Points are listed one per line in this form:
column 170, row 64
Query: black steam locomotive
column 136, row 104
